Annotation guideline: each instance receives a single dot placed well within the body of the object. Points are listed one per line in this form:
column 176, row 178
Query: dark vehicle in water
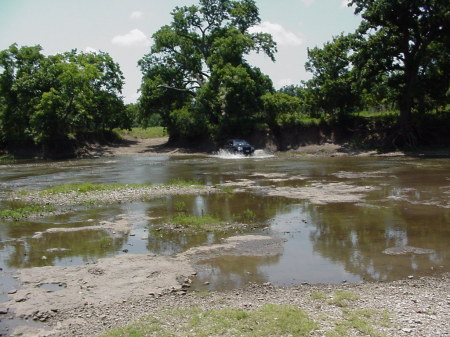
column 239, row 146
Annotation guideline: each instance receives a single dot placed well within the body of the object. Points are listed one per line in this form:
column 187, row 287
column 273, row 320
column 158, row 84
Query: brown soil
column 142, row 147
column 160, row 146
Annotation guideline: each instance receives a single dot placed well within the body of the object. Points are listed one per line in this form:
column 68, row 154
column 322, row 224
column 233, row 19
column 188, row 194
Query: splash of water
column 258, row 154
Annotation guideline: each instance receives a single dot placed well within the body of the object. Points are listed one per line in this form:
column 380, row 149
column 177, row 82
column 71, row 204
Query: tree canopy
column 196, row 75
column 45, row 100
column 405, row 41
column 331, row 89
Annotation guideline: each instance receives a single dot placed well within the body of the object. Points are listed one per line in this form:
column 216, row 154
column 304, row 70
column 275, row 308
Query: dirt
column 161, row 146
column 142, row 147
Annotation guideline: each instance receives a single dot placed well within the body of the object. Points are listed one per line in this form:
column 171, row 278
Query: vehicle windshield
column 240, row 142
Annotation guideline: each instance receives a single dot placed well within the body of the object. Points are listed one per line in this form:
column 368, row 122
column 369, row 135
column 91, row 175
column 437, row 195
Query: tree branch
column 168, row 87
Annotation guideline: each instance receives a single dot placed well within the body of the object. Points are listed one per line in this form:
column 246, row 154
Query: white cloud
column 308, row 2
column 89, row 49
column 134, row 37
column 279, row 33
column 136, row 15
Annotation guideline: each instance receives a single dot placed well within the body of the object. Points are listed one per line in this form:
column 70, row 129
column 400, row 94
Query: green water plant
column 247, row 216
column 180, row 206
column 18, row 213
column 206, row 222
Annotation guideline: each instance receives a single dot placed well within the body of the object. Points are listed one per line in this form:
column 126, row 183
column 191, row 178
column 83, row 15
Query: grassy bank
column 267, row 320
column 144, row 133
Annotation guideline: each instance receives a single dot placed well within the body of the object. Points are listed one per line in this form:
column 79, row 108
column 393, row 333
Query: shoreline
column 91, row 299
column 160, row 147
column 413, row 307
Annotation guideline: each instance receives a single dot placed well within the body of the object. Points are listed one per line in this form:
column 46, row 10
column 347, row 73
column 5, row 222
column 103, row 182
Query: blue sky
column 123, row 28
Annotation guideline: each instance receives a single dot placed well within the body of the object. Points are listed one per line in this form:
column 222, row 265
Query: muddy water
column 346, row 219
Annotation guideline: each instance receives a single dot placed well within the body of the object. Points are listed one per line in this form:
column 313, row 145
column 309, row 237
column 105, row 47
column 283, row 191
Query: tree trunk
column 406, row 130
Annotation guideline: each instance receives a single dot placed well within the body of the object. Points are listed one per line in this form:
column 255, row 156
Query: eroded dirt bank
column 160, row 146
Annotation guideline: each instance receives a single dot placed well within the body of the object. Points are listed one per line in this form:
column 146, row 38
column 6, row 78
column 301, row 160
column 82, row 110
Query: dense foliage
column 197, row 79
column 405, row 44
column 48, row 100
column 196, row 76
column 197, row 82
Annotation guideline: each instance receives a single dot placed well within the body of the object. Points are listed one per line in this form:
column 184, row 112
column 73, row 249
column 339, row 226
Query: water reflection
column 407, row 204
column 357, row 236
column 62, row 248
column 231, row 272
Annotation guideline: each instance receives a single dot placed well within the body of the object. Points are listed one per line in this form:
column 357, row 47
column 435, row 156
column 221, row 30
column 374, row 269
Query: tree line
column 198, row 83
column 47, row 101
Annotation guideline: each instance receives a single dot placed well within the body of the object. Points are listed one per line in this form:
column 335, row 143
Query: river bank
column 114, row 292
column 160, row 146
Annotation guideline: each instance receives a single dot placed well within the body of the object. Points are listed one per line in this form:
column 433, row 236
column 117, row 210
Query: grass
column 183, row 182
column 298, row 119
column 363, row 321
column 318, row 295
column 88, row 187
column 144, row 133
column 7, row 157
column 341, row 298
column 269, row 320
column 26, row 211
column 226, row 189
column 193, row 222
column 380, row 114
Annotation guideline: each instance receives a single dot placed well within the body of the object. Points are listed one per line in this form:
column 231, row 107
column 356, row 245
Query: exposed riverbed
column 331, row 219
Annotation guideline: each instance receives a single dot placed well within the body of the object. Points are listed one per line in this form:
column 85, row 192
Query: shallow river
column 343, row 218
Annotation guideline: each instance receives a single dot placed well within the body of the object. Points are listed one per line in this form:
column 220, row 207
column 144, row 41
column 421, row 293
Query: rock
column 404, row 250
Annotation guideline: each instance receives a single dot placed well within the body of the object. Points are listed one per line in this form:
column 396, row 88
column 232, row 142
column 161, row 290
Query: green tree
column 48, row 100
column 398, row 38
column 196, row 72
column 331, row 88
column 19, row 91
column 292, row 90
column 280, row 108
column 84, row 97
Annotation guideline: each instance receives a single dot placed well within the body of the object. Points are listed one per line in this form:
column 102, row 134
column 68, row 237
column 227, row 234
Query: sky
column 123, row 29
